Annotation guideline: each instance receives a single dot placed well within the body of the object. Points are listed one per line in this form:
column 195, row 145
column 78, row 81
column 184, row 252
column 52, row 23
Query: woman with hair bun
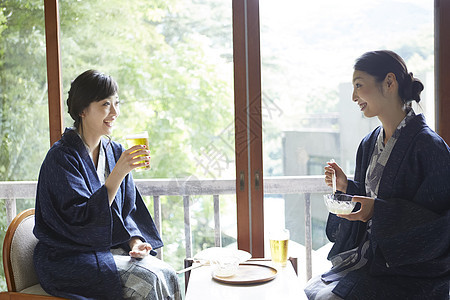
column 396, row 242
column 95, row 232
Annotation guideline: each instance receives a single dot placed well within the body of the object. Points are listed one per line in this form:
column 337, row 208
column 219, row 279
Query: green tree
column 23, row 85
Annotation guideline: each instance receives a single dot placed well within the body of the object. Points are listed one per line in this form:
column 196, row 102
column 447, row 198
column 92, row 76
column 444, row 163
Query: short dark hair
column 380, row 63
column 88, row 87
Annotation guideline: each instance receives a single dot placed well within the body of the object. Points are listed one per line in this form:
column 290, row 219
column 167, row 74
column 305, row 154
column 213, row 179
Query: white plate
column 214, row 253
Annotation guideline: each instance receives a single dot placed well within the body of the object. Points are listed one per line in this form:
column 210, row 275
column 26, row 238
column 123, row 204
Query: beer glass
column 279, row 240
column 140, row 138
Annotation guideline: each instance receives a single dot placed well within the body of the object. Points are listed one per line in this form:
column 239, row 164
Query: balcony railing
column 186, row 188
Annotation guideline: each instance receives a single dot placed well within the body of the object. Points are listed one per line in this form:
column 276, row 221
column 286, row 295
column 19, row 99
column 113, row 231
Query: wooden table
column 286, row 285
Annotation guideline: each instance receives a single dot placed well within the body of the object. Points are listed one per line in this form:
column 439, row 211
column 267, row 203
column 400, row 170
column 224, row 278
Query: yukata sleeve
column 139, row 223
column 408, row 233
column 416, row 231
column 68, row 211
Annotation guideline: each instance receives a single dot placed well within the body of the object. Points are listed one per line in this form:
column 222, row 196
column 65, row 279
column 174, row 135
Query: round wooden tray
column 249, row 274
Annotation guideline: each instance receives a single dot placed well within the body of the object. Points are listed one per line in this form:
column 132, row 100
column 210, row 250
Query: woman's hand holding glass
column 132, row 158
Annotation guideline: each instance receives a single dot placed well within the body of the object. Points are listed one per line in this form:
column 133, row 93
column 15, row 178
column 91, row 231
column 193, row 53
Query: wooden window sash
column 53, row 70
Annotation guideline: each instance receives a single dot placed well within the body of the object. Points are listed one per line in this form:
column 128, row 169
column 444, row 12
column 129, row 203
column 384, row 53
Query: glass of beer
column 279, row 246
column 140, row 138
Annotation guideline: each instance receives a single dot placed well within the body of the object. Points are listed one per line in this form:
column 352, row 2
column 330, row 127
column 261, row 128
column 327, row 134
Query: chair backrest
column 18, row 248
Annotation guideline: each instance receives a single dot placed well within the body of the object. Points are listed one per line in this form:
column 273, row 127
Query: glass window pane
column 23, row 90
column 308, row 51
column 173, row 63
column 24, row 132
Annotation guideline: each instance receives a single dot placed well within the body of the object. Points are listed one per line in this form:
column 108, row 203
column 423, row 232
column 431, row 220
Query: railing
column 12, row 190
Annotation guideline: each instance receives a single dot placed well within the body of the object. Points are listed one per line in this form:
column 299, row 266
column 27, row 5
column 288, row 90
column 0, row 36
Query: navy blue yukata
column 77, row 228
column 410, row 228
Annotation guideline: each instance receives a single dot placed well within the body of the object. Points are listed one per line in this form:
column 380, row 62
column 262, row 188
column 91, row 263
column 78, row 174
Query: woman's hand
column 129, row 159
column 341, row 178
column 365, row 213
column 139, row 249
column 136, row 156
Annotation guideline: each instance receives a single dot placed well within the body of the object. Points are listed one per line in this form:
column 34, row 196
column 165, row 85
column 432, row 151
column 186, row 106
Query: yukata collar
column 402, row 146
column 410, row 114
column 74, row 140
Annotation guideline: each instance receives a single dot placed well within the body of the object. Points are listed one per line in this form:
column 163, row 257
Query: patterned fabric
column 317, row 289
column 146, row 279
column 346, row 262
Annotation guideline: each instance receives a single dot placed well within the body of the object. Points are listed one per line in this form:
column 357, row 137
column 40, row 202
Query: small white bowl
column 339, row 204
column 225, row 266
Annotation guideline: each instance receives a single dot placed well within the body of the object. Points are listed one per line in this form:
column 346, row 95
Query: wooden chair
column 18, row 247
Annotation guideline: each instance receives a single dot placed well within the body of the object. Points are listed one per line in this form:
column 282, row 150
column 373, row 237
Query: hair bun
column 71, row 105
column 412, row 88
